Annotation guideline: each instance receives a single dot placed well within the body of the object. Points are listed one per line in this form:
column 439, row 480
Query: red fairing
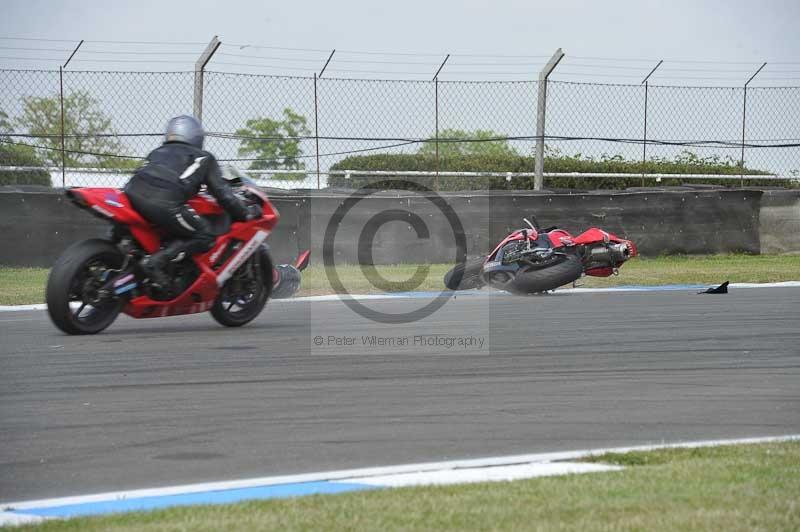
column 302, row 260
column 201, row 295
column 205, row 205
column 595, row 235
column 149, row 239
column 590, row 236
column 113, row 204
column 197, row 298
column 109, row 203
column 600, row 272
column 560, row 238
column 516, row 235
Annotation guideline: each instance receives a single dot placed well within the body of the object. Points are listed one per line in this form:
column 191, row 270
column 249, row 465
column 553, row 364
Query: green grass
column 706, row 269
column 26, row 285
column 316, row 281
column 745, row 487
column 22, row 286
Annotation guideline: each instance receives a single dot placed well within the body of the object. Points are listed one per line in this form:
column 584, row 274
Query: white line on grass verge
column 449, row 472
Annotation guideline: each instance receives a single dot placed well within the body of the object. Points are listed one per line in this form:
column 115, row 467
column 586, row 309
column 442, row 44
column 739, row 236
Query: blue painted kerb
column 207, row 497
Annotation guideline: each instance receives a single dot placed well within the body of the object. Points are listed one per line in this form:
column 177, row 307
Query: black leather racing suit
column 174, row 172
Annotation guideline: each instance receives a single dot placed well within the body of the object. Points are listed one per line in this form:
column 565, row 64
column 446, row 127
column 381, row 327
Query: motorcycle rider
column 159, row 190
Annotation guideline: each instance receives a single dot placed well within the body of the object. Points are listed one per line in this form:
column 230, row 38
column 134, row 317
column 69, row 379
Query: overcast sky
column 710, row 30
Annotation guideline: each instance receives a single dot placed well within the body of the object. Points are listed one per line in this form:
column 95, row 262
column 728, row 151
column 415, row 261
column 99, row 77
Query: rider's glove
column 254, row 212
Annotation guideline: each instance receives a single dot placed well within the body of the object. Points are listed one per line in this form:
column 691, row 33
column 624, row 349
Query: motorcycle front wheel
column 76, row 301
column 243, row 296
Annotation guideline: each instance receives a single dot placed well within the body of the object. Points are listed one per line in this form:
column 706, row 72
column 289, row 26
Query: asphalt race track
column 171, row 401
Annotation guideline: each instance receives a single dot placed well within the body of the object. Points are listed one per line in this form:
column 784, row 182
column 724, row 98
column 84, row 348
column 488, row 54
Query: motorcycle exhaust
column 610, row 253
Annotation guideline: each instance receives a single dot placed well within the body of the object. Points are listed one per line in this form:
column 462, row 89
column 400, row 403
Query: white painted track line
column 414, row 295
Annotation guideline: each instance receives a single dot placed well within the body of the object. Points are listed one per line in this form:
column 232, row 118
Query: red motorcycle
column 530, row 261
column 94, row 280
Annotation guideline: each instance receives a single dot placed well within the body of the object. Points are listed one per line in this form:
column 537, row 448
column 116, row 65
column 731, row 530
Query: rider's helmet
column 186, row 129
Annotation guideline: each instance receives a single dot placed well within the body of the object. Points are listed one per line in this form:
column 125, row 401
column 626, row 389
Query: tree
column 478, row 144
column 5, row 123
column 93, row 147
column 13, row 154
column 274, row 143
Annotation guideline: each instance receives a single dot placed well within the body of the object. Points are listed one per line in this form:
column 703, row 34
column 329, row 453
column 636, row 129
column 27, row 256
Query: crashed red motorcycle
column 94, row 280
column 530, row 261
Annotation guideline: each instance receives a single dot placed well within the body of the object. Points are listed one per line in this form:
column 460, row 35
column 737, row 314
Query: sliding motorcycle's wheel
column 76, row 301
column 532, row 281
column 465, row 276
column 244, row 295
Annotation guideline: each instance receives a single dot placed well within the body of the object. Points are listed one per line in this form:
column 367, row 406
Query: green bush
column 686, row 163
column 11, row 155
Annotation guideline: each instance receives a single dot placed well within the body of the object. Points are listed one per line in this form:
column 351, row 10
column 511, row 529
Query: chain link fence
column 94, row 128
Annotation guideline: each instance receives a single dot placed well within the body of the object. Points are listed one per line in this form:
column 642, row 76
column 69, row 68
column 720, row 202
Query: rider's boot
column 153, row 265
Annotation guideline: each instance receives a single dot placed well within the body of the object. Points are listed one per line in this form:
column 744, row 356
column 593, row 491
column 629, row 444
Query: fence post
column 436, row 113
column 744, row 118
column 540, row 115
column 61, row 99
column 644, row 140
column 316, row 112
column 199, row 70
column 63, row 143
column 436, row 129
column 316, row 126
column 644, row 143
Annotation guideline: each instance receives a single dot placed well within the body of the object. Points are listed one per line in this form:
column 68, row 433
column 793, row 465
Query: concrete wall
column 693, row 222
column 37, row 225
column 779, row 221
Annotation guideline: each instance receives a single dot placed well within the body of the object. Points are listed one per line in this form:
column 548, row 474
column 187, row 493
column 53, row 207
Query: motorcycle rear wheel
column 466, row 275
column 239, row 304
column 75, row 302
column 549, row 278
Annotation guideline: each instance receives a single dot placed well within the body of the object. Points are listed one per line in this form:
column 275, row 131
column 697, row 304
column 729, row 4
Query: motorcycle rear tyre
column 540, row 280
column 465, row 276
column 65, row 274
